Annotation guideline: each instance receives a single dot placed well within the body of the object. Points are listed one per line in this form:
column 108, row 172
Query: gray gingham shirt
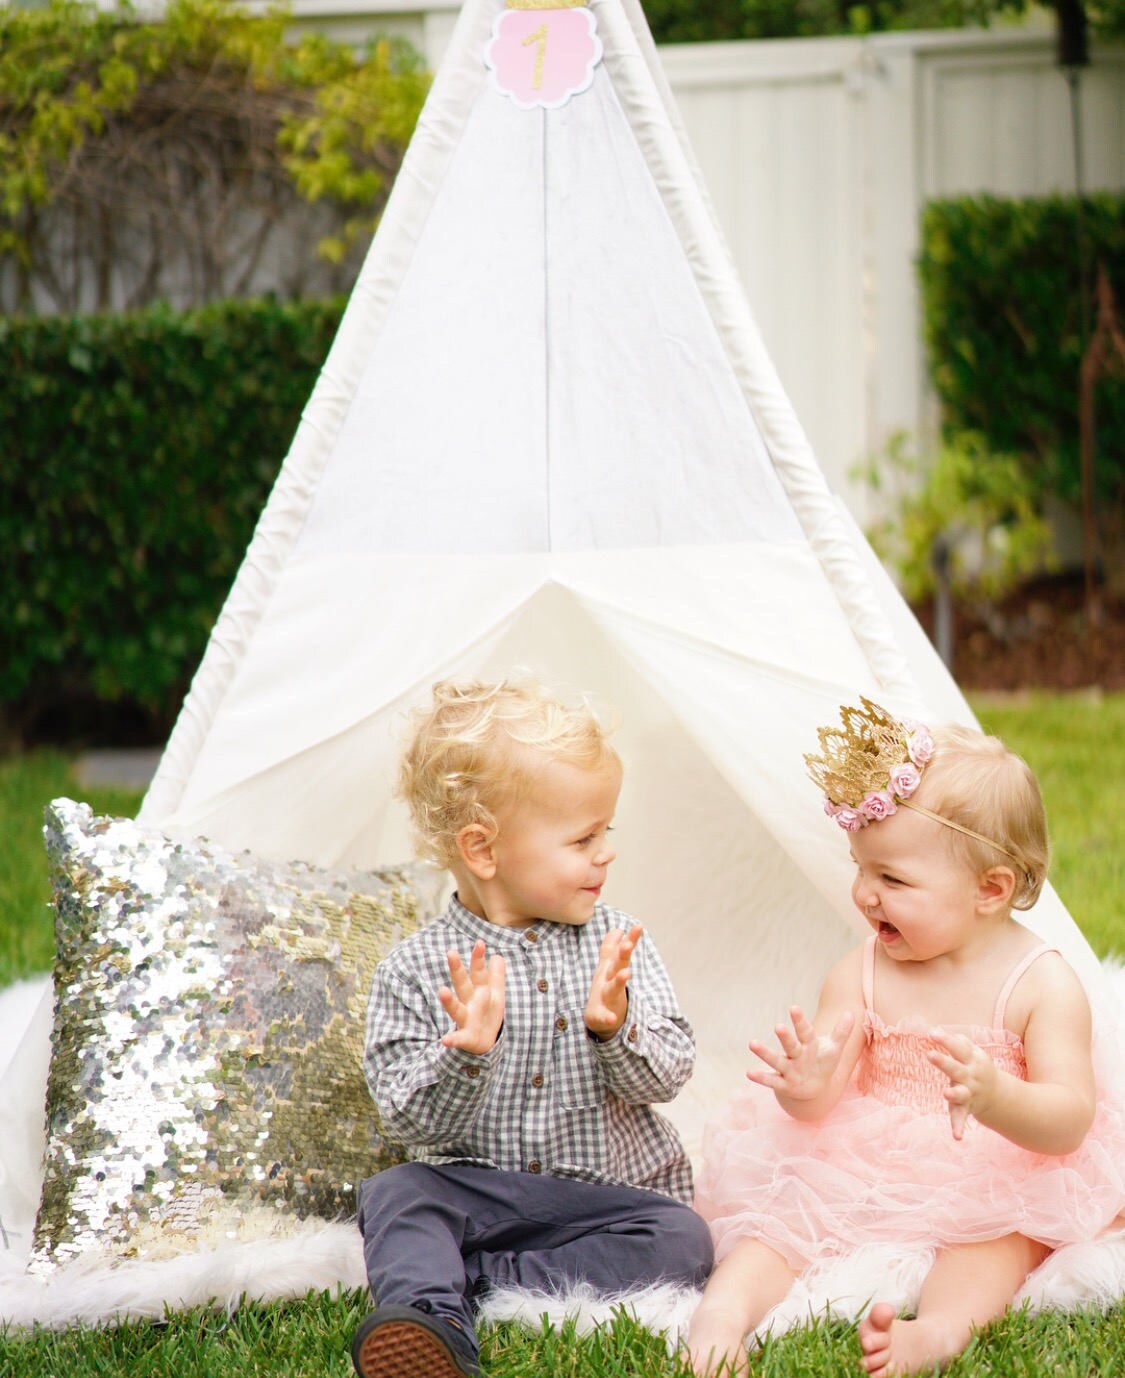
column 547, row 1097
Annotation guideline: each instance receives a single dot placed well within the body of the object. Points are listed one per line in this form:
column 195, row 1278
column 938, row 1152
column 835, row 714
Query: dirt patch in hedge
column 1039, row 638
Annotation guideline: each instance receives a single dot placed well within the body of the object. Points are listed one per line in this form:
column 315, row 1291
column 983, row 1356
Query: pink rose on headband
column 920, row 745
column 850, row 821
column 904, row 780
column 878, row 804
column 830, row 808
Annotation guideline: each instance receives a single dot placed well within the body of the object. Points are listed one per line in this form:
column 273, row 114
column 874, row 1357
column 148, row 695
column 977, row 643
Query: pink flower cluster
column 902, row 781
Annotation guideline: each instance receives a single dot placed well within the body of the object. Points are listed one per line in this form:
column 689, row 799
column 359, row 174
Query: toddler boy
column 521, row 1081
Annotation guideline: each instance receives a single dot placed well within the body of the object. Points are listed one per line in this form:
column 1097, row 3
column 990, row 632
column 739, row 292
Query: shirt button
column 631, row 1036
column 562, row 1023
column 535, row 1165
column 472, row 1071
column 538, row 1079
column 532, row 937
column 542, row 984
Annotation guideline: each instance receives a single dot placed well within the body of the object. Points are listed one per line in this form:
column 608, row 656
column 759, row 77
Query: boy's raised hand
column 476, row 1001
column 608, row 1002
column 806, row 1061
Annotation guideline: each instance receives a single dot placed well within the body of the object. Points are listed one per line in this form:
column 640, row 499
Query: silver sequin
column 206, row 1081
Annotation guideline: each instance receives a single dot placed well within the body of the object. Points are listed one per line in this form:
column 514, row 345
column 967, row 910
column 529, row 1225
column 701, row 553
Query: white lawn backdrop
column 818, row 155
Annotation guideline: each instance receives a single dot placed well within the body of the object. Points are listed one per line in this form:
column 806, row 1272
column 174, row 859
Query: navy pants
column 438, row 1236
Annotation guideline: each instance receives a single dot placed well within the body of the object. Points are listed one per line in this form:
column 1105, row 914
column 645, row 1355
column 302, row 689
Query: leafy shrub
column 168, row 159
column 1004, row 329
column 138, row 452
column 962, row 516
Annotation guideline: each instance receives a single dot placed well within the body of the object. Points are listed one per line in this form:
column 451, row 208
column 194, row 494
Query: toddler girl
column 944, row 1091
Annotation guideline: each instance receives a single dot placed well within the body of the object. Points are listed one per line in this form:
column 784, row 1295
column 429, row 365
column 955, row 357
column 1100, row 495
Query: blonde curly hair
column 476, row 747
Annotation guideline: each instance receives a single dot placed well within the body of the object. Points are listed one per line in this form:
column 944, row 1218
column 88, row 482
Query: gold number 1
column 539, row 37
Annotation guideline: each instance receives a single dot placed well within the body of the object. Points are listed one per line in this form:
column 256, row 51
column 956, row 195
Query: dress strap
column 869, row 974
column 1013, row 976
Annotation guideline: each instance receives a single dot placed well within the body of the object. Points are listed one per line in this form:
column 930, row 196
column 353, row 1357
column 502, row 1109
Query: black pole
column 1073, row 47
column 1073, row 51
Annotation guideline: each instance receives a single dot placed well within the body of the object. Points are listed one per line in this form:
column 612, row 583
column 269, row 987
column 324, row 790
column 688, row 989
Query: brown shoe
column 402, row 1342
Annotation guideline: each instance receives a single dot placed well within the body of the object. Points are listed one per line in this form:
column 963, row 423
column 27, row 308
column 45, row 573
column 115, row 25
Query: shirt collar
column 497, row 935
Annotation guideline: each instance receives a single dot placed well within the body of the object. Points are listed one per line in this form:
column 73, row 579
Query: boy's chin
column 577, row 916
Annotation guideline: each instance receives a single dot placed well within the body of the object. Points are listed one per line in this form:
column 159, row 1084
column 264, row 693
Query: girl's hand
column 972, row 1077
column 608, row 1001
column 476, row 1002
column 806, row 1062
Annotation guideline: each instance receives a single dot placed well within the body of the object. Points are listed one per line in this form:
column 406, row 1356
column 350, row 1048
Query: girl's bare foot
column 891, row 1346
column 875, row 1338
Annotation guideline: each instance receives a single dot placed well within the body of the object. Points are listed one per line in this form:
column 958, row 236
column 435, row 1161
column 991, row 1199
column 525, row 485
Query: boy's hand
column 476, row 1002
column 805, row 1064
column 972, row 1077
column 608, row 1002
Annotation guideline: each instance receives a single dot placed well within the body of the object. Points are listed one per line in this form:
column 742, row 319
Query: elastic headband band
column 949, row 823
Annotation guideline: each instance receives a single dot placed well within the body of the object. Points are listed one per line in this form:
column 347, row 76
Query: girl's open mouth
column 887, row 932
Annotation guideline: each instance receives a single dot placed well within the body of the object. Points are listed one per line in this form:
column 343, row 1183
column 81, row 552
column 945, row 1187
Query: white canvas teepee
column 548, row 435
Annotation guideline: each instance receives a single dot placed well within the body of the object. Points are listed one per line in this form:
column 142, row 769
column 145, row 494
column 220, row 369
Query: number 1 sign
column 542, row 56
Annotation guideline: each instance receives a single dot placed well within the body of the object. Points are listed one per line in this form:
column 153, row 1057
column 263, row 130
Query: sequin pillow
column 206, row 1083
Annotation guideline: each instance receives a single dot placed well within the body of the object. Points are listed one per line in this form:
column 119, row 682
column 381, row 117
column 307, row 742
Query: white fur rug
column 329, row 1257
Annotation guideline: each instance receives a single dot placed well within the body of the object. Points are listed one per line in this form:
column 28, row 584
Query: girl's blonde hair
column 976, row 781
column 477, row 747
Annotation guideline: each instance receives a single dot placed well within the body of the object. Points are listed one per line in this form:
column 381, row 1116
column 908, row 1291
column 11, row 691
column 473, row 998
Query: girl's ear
column 474, row 845
column 995, row 889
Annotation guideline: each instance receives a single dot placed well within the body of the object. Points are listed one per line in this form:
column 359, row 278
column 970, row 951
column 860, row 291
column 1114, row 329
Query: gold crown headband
column 872, row 764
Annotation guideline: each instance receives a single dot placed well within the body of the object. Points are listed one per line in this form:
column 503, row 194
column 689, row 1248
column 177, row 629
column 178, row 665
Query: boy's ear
column 995, row 889
column 474, row 844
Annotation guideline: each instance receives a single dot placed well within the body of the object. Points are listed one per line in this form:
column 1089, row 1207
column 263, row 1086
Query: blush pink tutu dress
column 884, row 1167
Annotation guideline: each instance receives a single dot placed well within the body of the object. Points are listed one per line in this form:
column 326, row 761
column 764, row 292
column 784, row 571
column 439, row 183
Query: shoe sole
column 402, row 1349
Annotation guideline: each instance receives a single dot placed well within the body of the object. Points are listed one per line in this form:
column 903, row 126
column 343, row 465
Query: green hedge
column 137, row 451
column 1003, row 321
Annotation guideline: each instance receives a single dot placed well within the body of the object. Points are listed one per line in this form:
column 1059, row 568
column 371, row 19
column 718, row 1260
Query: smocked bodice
column 894, row 1066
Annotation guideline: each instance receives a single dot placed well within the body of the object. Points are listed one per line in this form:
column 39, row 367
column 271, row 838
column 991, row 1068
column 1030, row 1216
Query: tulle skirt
column 873, row 1173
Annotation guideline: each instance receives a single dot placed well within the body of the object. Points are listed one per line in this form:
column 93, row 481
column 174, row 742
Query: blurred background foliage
column 962, row 514
column 1007, row 316
column 165, row 160
column 684, row 21
column 139, row 451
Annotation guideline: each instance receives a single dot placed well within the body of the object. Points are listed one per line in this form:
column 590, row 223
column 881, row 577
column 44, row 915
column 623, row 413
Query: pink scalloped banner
column 540, row 58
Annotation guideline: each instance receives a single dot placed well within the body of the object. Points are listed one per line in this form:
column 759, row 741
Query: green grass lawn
column 27, row 784
column 1075, row 744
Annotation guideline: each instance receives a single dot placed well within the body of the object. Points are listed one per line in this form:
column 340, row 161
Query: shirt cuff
column 471, row 1067
column 625, row 1041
